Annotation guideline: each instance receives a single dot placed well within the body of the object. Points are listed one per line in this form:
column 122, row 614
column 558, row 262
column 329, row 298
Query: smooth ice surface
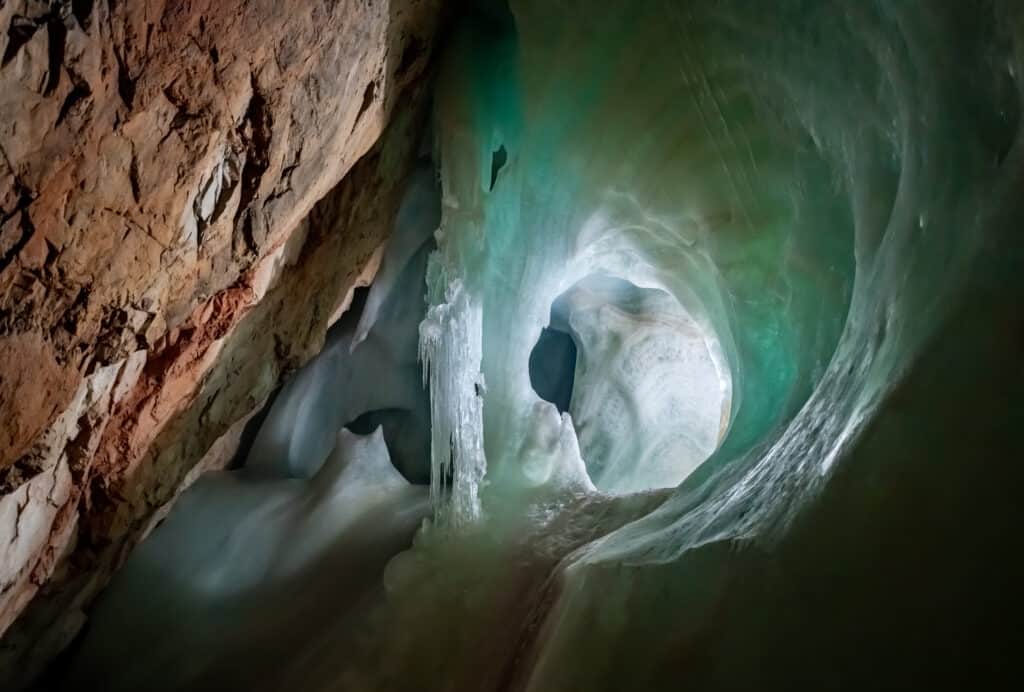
column 243, row 566
column 369, row 367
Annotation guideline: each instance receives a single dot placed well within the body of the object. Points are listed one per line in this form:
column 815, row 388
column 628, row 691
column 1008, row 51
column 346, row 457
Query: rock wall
column 189, row 192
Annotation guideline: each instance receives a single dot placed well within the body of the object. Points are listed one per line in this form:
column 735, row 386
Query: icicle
column 451, row 352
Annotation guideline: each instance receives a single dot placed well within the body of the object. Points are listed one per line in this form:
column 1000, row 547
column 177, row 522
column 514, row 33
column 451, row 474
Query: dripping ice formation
column 821, row 198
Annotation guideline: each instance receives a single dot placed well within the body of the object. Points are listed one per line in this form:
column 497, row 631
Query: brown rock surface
column 162, row 262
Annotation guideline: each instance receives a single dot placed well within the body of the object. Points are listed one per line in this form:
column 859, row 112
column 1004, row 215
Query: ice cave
column 511, row 345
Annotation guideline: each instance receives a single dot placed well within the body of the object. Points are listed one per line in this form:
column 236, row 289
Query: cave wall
column 189, row 192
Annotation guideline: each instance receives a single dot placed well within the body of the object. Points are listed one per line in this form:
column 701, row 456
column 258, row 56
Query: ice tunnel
column 693, row 363
column 647, row 389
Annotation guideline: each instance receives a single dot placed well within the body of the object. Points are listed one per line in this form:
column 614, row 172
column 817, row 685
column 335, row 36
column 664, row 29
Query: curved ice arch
column 651, row 396
column 653, row 167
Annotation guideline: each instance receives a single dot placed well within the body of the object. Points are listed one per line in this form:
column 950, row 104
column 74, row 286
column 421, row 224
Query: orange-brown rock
column 188, row 192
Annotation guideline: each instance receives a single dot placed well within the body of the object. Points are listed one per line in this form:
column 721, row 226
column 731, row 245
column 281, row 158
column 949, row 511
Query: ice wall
column 829, row 187
column 638, row 148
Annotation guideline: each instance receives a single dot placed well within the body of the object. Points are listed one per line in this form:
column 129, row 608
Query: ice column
column 451, row 352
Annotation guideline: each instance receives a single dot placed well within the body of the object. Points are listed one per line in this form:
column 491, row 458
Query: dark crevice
column 410, row 54
column 249, row 245
column 80, row 92
column 350, row 318
column 250, row 431
column 178, row 121
column 82, row 10
column 27, row 229
column 553, row 368
column 255, row 133
column 498, row 160
column 181, row 116
column 368, row 94
column 25, row 196
column 133, row 176
column 57, row 35
column 20, row 32
column 125, row 84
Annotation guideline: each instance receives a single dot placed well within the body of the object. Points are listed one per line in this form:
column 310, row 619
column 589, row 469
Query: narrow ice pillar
column 450, row 349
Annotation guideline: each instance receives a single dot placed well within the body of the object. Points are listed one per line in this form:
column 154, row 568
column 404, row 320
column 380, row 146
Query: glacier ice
column 815, row 205
column 249, row 556
column 368, row 367
column 651, row 391
column 245, row 562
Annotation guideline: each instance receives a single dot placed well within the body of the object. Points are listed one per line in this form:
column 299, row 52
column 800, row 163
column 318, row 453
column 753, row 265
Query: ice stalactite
column 451, row 355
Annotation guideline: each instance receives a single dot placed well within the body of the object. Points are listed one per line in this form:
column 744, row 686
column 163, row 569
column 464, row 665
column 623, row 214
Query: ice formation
column 246, row 561
column 251, row 555
column 368, row 370
column 816, row 204
column 651, row 394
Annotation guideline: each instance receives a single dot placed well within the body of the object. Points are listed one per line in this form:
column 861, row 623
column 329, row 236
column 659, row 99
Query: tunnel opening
column 553, row 367
column 640, row 378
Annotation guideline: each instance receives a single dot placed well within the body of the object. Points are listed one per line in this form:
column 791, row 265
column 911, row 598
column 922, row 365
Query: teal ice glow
column 641, row 145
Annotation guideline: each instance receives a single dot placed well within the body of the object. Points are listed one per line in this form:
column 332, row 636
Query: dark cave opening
column 553, row 367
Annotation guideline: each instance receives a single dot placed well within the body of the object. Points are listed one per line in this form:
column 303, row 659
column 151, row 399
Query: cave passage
column 645, row 386
column 714, row 396
column 553, row 367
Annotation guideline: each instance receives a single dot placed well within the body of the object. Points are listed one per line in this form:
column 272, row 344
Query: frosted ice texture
column 650, row 402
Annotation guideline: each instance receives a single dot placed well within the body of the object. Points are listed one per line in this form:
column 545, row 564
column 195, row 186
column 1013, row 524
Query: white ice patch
column 451, row 353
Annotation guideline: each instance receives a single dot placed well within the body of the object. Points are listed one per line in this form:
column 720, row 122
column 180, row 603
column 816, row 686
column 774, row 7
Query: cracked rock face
column 175, row 178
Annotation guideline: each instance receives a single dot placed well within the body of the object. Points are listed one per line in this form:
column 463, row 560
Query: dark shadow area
column 407, row 440
column 252, row 428
column 498, row 160
column 553, row 367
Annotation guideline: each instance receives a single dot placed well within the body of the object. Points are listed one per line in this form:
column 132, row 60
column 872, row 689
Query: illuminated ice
column 651, row 395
